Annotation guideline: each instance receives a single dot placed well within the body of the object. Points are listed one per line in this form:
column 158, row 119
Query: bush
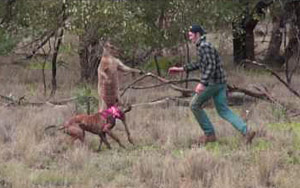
column 7, row 42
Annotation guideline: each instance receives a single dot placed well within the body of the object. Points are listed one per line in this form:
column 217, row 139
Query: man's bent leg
column 200, row 115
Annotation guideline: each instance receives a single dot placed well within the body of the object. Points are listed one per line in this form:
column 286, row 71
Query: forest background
column 50, row 51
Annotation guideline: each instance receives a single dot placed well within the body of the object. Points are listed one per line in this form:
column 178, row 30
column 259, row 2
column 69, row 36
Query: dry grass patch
column 162, row 157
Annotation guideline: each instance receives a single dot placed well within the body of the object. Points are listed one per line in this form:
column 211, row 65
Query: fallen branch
column 7, row 98
column 276, row 75
column 265, row 91
column 180, row 102
column 188, row 92
column 22, row 101
column 294, row 114
column 184, row 91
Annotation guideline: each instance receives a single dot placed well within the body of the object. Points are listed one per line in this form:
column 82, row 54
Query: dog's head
column 117, row 112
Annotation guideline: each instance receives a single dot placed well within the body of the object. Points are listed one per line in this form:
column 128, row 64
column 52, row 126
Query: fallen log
column 21, row 101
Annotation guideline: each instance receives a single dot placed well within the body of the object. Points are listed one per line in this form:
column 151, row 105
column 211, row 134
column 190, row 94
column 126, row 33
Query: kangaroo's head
column 110, row 49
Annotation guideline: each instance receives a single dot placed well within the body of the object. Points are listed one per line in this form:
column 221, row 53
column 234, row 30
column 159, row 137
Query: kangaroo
column 108, row 82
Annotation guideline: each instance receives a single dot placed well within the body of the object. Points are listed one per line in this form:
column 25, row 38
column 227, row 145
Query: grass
column 164, row 155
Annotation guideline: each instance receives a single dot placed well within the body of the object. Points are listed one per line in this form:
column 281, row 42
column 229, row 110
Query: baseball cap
column 197, row 28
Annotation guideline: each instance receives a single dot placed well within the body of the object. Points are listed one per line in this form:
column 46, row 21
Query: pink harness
column 113, row 111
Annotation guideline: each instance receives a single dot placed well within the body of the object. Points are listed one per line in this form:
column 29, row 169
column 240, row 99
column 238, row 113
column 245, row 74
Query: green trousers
column 218, row 93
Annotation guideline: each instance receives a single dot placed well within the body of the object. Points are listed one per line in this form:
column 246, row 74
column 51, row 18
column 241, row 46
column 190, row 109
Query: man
column 212, row 85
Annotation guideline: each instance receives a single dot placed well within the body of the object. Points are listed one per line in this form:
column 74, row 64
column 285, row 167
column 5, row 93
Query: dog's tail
column 51, row 129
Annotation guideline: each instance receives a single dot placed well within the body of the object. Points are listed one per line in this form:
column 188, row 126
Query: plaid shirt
column 209, row 62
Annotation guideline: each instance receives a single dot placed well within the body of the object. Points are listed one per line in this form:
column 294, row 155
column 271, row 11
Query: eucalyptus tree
column 292, row 49
column 139, row 27
column 93, row 22
column 37, row 20
column 29, row 18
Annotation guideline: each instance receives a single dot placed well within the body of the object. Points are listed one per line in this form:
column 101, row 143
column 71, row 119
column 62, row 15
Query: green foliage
column 32, row 89
column 293, row 157
column 224, row 146
column 279, row 113
column 45, row 178
column 39, row 65
column 7, row 42
column 290, row 127
column 285, row 126
column 214, row 147
column 67, row 48
column 134, row 25
column 86, row 99
column 261, row 145
column 164, row 63
column 179, row 153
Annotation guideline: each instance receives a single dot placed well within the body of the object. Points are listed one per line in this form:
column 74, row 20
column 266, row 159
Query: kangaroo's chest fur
column 108, row 80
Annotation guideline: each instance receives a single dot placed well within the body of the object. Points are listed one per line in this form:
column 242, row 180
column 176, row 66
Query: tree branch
column 231, row 88
column 276, row 75
column 22, row 101
column 185, row 92
column 180, row 102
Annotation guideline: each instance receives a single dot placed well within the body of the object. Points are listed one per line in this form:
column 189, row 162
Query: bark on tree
column 293, row 48
column 273, row 57
column 243, row 36
column 89, row 54
column 157, row 65
column 58, row 41
column 294, row 10
column 54, row 61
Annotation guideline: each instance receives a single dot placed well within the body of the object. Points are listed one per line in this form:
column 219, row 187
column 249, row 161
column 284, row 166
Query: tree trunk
column 239, row 42
column 273, row 57
column 294, row 36
column 89, row 54
column 293, row 48
column 157, row 65
column 54, row 61
column 243, row 36
column 250, row 39
column 188, row 58
column 57, row 44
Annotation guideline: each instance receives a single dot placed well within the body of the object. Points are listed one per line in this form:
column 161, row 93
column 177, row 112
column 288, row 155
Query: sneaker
column 205, row 139
column 249, row 137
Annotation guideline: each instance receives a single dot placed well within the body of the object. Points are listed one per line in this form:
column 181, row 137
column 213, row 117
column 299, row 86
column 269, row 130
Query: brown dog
column 100, row 124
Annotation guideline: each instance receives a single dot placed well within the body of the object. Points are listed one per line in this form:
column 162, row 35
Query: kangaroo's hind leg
column 127, row 132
